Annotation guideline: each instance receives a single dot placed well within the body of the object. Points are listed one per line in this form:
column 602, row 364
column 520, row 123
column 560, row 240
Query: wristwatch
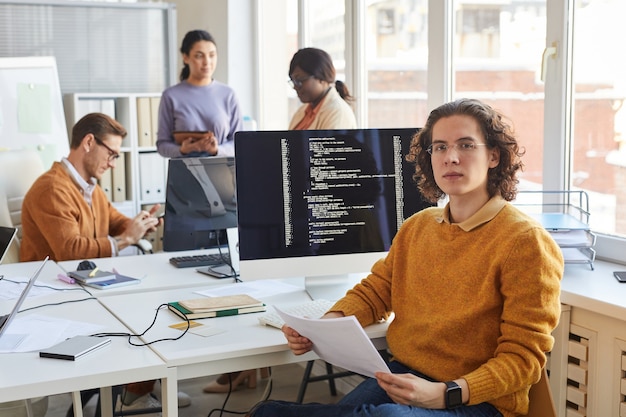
column 453, row 396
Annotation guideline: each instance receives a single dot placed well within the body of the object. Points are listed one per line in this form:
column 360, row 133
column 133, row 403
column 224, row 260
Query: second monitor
column 200, row 203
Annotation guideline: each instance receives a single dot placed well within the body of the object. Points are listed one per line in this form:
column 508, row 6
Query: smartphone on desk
column 620, row 276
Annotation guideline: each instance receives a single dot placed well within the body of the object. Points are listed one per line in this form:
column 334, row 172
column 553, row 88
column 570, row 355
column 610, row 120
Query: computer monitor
column 200, row 202
column 321, row 204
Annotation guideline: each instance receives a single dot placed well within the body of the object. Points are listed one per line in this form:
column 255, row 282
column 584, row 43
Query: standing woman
column 198, row 104
column 325, row 100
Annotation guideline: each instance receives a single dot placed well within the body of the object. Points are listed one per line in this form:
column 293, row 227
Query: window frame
column 558, row 121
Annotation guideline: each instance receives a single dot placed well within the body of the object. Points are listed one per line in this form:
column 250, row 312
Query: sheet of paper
column 258, row 289
column 36, row 332
column 11, row 290
column 340, row 341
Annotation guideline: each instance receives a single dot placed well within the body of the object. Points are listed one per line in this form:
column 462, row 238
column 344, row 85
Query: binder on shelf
column 106, row 183
column 144, row 123
column 107, row 106
column 118, row 176
column 154, row 118
column 86, row 106
column 152, row 177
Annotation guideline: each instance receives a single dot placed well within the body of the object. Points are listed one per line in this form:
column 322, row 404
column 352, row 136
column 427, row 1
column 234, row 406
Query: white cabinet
column 139, row 177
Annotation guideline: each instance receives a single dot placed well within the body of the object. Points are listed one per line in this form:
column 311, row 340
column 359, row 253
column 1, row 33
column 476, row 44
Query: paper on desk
column 10, row 290
column 36, row 332
column 258, row 289
column 340, row 341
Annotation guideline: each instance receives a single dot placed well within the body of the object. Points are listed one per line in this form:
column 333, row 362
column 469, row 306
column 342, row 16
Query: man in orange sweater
column 66, row 215
column 474, row 285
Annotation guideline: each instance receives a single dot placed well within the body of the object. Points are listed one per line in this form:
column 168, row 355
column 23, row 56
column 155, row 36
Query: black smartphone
column 620, row 276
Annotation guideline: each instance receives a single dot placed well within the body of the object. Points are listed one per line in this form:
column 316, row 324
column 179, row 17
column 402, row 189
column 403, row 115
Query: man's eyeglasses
column 112, row 154
column 464, row 147
column 297, row 83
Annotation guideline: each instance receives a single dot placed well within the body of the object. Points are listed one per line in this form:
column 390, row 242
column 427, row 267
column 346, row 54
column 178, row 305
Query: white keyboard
column 312, row 309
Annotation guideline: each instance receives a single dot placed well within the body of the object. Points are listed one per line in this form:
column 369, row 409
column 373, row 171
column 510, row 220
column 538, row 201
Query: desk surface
column 244, row 344
column 596, row 290
column 26, row 375
column 155, row 271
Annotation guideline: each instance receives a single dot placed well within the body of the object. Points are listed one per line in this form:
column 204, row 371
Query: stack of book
column 101, row 280
column 229, row 305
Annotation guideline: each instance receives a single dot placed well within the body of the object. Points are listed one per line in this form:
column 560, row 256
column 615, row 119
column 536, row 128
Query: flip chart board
column 31, row 107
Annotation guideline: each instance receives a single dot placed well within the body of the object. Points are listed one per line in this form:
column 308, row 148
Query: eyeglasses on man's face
column 297, row 83
column 112, row 154
column 464, row 147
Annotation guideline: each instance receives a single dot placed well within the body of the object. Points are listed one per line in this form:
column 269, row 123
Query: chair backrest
column 540, row 397
column 18, row 170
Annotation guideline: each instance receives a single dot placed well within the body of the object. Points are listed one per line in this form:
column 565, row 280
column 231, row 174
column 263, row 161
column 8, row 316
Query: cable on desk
column 91, row 297
column 131, row 335
column 227, row 261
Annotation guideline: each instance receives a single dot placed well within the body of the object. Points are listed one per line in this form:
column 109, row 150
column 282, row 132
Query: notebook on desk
column 6, row 320
column 7, row 234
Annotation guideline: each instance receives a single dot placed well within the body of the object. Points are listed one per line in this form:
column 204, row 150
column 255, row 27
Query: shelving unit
column 138, row 180
column 565, row 215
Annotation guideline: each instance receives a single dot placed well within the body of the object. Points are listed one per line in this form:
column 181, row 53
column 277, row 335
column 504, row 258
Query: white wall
column 230, row 23
column 251, row 43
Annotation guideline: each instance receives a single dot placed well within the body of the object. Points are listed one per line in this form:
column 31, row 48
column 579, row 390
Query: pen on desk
column 93, row 272
column 65, row 278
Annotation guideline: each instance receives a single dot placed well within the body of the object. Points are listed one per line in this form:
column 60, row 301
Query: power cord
column 264, row 397
column 227, row 261
column 131, row 335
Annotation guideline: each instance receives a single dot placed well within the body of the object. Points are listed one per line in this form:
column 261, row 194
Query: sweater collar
column 86, row 187
column 485, row 214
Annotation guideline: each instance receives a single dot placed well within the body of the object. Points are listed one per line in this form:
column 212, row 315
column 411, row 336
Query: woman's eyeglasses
column 297, row 83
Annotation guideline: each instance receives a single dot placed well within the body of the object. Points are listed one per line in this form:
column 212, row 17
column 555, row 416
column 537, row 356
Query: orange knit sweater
column 56, row 220
column 477, row 300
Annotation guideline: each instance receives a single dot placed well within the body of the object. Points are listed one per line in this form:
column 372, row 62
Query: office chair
column 540, row 398
column 18, row 170
column 330, row 376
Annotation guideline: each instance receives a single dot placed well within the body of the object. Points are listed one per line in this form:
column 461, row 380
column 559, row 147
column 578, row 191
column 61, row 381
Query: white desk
column 26, row 269
column 590, row 342
column 26, row 375
column 245, row 344
column 155, row 269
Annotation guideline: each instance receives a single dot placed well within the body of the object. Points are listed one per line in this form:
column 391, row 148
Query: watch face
column 454, row 396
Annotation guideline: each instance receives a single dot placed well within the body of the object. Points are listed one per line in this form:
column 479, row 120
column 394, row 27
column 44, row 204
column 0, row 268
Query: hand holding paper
column 340, row 341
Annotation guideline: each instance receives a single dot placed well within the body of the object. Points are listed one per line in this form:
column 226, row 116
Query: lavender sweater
column 186, row 107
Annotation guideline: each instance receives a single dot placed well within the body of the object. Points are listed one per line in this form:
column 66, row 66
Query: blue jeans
column 369, row 400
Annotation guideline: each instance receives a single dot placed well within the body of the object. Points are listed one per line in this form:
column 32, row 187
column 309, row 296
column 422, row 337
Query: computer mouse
column 86, row 265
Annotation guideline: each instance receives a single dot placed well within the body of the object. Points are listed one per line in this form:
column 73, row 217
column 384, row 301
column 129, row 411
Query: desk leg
column 78, row 404
column 106, row 402
column 169, row 394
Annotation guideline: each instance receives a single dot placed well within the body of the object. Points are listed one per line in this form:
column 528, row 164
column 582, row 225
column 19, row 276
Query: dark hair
column 99, row 125
column 189, row 41
column 498, row 134
column 319, row 64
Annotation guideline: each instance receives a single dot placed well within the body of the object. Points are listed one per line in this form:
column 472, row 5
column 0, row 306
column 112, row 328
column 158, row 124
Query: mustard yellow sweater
column 477, row 300
column 56, row 220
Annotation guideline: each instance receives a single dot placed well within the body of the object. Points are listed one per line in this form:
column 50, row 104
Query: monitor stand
column 329, row 287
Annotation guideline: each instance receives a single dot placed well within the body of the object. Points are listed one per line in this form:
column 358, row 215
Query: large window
column 497, row 58
column 572, row 123
column 396, row 52
column 599, row 112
